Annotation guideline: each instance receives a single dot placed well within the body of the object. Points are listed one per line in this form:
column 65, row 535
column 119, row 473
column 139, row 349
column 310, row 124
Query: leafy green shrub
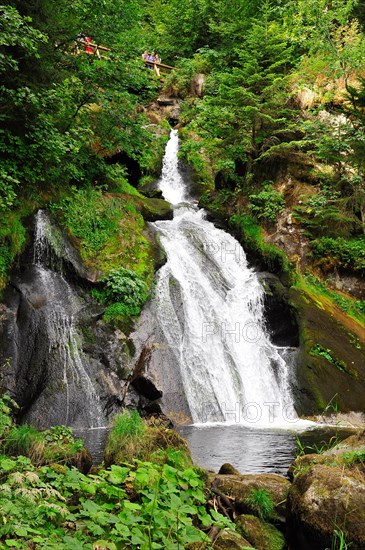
column 7, row 193
column 322, row 199
column 260, row 501
column 267, row 204
column 348, row 254
column 125, row 287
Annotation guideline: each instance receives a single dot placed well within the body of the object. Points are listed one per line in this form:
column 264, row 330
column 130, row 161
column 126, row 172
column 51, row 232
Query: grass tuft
column 261, row 503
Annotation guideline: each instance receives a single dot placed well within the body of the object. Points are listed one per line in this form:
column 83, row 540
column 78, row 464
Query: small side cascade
column 76, row 398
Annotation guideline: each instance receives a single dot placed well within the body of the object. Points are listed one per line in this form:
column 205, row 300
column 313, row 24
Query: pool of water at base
column 254, row 450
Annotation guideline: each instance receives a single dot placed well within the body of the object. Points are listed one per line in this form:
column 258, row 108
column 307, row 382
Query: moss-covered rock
column 230, row 540
column 324, row 499
column 226, row 539
column 346, row 453
column 260, row 534
column 153, row 209
column 133, row 438
column 328, row 494
column 331, row 363
column 241, row 487
column 228, row 469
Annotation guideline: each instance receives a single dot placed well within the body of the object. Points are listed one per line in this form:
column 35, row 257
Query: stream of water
column 231, row 371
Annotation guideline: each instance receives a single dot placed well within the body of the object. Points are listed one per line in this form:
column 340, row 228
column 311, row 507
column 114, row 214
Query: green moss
column 320, row 351
column 329, row 363
column 108, row 230
column 337, row 252
column 250, row 234
column 259, row 533
column 320, row 289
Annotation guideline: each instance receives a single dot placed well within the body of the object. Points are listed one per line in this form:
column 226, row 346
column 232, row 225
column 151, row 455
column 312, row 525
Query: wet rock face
column 280, row 317
column 62, row 364
column 156, row 373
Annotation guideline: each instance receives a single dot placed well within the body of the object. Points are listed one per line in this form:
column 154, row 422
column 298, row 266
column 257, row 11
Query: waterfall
column 76, row 401
column 230, row 369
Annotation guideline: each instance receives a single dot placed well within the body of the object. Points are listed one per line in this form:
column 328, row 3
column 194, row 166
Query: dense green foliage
column 61, row 114
column 278, row 128
column 146, row 506
column 55, row 444
column 267, row 204
column 90, row 217
column 283, row 86
column 341, row 252
column 48, row 504
column 125, row 286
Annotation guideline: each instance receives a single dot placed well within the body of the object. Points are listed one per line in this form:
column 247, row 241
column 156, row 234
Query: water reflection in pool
column 251, row 450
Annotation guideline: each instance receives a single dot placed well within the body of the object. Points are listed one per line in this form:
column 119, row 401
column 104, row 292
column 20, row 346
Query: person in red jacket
column 87, row 41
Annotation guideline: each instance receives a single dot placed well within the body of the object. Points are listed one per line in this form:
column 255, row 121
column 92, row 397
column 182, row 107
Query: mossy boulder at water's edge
column 331, row 363
column 259, row 533
column 323, row 499
column 241, row 486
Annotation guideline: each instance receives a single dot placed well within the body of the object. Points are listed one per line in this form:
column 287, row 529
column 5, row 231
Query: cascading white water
column 81, row 404
column 230, row 369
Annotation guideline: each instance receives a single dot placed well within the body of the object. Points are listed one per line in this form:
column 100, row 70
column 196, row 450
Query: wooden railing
column 159, row 68
column 91, row 49
column 82, row 46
